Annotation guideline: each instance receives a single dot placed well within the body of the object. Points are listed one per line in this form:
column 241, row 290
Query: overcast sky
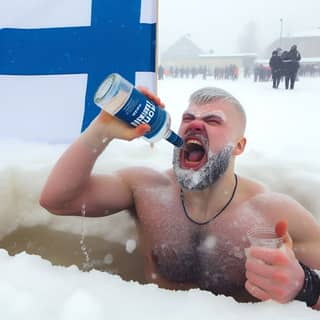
column 217, row 24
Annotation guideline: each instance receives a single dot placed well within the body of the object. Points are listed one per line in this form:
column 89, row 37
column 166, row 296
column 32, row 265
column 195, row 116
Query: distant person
column 275, row 64
column 160, row 72
column 285, row 65
column 256, row 73
column 246, row 72
column 291, row 65
column 193, row 219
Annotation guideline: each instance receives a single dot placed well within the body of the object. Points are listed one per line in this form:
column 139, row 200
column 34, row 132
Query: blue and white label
column 138, row 110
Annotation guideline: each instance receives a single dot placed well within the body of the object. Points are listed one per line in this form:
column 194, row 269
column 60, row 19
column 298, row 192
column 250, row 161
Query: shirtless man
column 193, row 219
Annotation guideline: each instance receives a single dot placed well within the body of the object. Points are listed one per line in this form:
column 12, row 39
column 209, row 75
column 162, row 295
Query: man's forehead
column 206, row 110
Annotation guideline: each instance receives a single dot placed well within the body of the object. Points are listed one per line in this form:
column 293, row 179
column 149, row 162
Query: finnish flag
column 54, row 55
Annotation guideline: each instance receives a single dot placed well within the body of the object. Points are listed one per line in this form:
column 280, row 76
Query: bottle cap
column 107, row 90
column 175, row 139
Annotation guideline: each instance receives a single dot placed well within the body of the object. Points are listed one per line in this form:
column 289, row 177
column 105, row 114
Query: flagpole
column 281, row 29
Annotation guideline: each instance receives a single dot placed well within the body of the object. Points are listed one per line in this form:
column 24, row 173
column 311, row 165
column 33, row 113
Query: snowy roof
column 316, row 59
column 214, row 55
column 183, row 47
column 306, row 34
column 262, row 61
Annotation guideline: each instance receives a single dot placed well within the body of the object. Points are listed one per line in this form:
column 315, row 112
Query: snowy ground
column 282, row 149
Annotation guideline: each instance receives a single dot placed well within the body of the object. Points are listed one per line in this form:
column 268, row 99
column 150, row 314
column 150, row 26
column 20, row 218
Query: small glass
column 261, row 236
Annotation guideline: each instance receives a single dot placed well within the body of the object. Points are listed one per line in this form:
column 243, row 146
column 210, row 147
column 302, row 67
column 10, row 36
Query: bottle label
column 138, row 109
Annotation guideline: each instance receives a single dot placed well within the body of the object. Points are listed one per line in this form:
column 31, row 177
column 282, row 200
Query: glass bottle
column 120, row 98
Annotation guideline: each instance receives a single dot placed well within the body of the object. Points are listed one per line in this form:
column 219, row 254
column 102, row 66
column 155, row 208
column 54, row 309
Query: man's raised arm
column 71, row 188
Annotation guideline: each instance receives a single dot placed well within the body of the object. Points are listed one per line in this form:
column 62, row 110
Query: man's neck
column 202, row 205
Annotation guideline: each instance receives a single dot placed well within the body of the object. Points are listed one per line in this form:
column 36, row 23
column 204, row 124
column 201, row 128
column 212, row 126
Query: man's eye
column 187, row 118
column 213, row 121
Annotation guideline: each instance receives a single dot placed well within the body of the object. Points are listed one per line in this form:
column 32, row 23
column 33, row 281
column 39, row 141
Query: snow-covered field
column 282, row 151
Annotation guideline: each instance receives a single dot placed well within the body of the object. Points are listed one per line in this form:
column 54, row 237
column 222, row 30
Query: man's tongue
column 195, row 155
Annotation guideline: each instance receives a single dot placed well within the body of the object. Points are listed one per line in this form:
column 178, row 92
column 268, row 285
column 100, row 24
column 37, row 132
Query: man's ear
column 240, row 146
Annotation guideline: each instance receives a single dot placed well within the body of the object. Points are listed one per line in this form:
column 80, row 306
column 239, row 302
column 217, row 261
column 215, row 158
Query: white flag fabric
column 54, row 55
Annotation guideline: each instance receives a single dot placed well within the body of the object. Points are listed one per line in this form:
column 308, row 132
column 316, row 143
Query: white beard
column 207, row 175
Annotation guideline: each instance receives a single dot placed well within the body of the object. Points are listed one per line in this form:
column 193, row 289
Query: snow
column 282, row 150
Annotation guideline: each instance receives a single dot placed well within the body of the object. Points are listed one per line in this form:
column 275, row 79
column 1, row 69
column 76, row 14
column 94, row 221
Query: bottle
column 119, row 97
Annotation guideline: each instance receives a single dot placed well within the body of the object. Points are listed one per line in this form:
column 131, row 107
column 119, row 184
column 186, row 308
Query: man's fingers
column 142, row 129
column 257, row 292
column 133, row 133
column 259, row 267
column 274, row 288
column 120, row 129
column 269, row 256
column 281, row 228
column 151, row 96
column 282, row 231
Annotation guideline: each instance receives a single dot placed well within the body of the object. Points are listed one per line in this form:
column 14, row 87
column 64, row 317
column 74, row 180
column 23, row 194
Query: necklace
column 217, row 214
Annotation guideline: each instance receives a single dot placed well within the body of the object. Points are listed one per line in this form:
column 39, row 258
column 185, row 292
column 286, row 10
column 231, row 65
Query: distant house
column 185, row 53
column 241, row 60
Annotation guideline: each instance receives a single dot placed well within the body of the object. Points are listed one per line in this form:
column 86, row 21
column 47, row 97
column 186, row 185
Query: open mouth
column 193, row 154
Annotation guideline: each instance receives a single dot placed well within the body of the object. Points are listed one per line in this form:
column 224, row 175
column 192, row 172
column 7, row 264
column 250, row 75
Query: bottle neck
column 173, row 138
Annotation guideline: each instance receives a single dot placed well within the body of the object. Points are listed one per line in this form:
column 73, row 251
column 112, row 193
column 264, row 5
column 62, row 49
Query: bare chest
column 211, row 256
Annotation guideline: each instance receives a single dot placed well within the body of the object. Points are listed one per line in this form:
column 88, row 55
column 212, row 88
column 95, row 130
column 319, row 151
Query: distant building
column 182, row 52
column 241, row 60
column 185, row 53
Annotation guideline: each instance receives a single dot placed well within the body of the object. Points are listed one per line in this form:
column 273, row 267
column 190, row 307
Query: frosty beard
column 207, row 175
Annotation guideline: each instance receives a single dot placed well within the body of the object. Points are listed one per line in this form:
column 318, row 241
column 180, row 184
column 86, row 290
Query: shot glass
column 261, row 236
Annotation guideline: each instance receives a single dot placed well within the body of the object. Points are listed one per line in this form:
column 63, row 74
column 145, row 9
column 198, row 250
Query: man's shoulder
column 273, row 197
column 258, row 193
column 271, row 201
column 146, row 175
column 251, row 187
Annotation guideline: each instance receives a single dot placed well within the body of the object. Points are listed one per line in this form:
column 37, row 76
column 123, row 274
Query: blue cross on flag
column 54, row 55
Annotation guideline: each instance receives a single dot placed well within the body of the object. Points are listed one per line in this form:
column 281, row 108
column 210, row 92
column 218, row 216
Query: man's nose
column 196, row 126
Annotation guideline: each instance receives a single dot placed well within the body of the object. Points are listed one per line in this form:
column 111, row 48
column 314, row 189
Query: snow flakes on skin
column 108, row 259
column 202, row 113
column 238, row 252
column 160, row 194
column 131, row 245
column 159, row 210
column 105, row 140
column 83, row 247
column 209, row 243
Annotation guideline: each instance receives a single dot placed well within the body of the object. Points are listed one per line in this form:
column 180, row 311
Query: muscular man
column 193, row 219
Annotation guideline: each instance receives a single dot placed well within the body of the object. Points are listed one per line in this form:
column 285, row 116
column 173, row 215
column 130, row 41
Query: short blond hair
column 211, row 94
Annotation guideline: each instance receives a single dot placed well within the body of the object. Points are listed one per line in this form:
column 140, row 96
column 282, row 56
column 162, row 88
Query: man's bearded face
column 207, row 174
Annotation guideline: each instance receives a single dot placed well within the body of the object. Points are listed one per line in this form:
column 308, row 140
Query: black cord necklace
column 217, row 214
